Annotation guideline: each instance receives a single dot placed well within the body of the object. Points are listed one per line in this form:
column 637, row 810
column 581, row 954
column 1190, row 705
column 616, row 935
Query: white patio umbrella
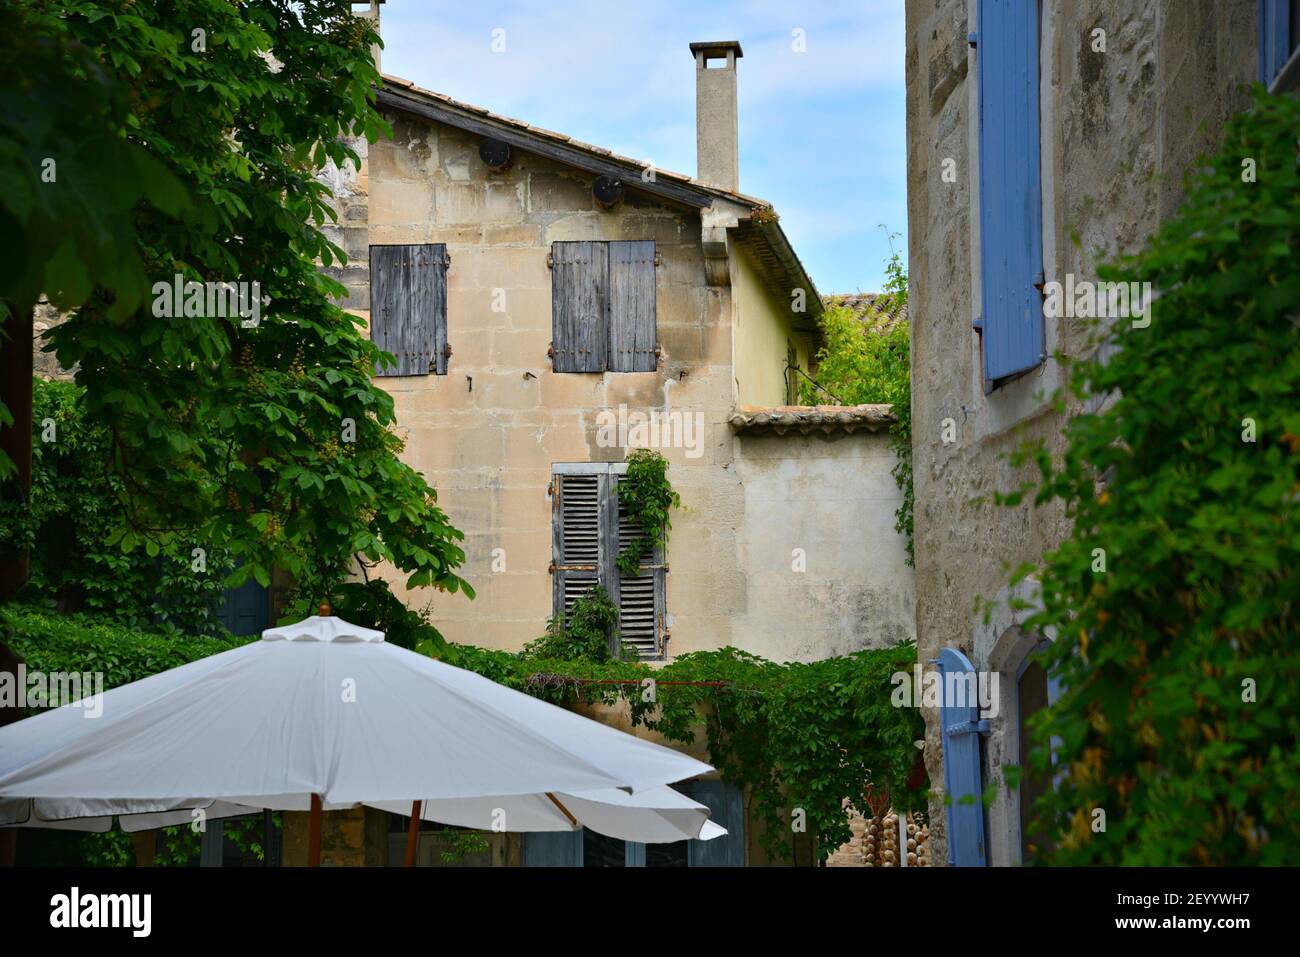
column 324, row 714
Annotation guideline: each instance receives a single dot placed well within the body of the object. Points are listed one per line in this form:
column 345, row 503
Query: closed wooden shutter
column 1011, row 254
column 632, row 306
column 408, row 307
column 553, row 849
column 961, row 726
column 726, row 807
column 580, row 306
column 245, row 610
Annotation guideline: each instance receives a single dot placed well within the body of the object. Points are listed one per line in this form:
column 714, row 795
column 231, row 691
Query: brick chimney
column 717, row 156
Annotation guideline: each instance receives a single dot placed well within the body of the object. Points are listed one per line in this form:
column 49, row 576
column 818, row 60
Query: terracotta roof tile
column 806, row 419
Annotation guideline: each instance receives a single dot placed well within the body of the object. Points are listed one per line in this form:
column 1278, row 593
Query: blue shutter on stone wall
column 960, row 724
column 1275, row 30
column 553, row 848
column 1011, row 242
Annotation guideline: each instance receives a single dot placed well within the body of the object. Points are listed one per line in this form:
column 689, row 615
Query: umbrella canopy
column 655, row 815
column 327, row 708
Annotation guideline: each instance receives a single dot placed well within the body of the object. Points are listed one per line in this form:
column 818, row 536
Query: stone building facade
column 784, row 545
column 1125, row 95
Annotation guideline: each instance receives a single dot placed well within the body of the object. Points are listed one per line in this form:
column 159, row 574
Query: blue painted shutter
column 727, row 808
column 959, row 720
column 1275, row 32
column 553, row 849
column 1011, row 241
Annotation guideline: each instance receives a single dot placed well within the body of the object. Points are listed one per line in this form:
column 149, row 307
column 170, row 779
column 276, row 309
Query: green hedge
column 80, row 643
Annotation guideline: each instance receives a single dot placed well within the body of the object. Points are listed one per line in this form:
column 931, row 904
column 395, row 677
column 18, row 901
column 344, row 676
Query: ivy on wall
column 647, row 496
column 1174, row 599
column 798, row 738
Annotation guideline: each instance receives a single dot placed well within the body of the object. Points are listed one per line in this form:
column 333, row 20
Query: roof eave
column 767, row 241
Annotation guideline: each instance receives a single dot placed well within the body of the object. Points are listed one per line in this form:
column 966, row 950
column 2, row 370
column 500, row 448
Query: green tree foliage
column 74, row 500
column 1181, row 709
column 867, row 362
column 270, row 442
column 72, row 176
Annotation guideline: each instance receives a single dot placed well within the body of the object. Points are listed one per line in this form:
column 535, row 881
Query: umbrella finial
column 325, row 610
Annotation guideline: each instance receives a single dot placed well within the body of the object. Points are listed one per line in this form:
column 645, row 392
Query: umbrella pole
column 313, row 833
column 413, row 834
column 556, row 801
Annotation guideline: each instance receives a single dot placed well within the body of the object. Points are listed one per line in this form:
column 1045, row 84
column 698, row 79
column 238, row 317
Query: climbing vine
column 647, row 496
column 586, row 635
column 1174, row 599
column 797, row 738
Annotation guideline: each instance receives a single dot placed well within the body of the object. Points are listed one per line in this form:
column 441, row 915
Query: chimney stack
column 717, row 151
column 373, row 14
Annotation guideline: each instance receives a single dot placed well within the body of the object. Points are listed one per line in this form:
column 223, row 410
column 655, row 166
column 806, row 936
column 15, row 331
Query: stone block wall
column 1119, row 129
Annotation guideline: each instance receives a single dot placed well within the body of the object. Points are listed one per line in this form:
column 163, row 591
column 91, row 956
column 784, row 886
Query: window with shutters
column 1010, row 326
column 589, row 532
column 603, row 306
column 408, row 307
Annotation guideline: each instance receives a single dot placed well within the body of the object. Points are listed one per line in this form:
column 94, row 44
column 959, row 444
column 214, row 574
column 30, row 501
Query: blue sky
column 821, row 132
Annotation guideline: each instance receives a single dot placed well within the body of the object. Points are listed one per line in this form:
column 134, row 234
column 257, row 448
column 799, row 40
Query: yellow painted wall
column 763, row 334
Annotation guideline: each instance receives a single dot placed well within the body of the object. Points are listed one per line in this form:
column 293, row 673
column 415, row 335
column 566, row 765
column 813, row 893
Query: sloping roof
column 806, row 419
column 869, row 307
column 760, row 232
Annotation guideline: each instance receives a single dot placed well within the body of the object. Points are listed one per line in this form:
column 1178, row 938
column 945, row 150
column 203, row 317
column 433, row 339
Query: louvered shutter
column 576, row 542
column 960, row 725
column 1277, row 32
column 1011, row 254
column 632, row 306
column 727, row 808
column 640, row 597
column 579, row 306
column 408, row 307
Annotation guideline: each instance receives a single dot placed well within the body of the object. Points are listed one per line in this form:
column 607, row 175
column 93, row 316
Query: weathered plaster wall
column 826, row 572
column 1119, row 129
column 763, row 336
column 487, row 434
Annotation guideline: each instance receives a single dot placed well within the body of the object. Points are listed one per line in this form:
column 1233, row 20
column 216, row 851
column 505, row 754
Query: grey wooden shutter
column 726, row 807
column 579, row 306
column 640, row 597
column 632, row 306
column 408, row 307
column 576, row 538
column 553, row 849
